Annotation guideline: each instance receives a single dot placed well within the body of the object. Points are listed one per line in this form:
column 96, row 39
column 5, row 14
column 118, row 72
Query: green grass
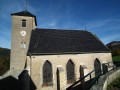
column 114, row 84
column 116, row 58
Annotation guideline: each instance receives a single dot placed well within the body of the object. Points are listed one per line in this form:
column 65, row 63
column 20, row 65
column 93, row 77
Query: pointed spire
column 85, row 27
column 26, row 5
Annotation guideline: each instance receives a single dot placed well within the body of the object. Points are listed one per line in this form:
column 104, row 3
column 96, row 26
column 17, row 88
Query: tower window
column 23, row 23
column 23, row 44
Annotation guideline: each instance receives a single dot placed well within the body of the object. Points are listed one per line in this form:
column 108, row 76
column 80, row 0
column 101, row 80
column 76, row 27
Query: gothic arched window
column 23, row 23
column 47, row 74
column 97, row 67
column 70, row 72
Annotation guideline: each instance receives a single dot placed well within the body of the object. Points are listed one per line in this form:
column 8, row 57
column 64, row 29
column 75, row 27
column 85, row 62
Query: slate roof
column 53, row 41
column 25, row 13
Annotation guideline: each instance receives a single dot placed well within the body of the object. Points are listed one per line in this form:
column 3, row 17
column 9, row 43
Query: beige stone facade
column 60, row 61
column 18, row 54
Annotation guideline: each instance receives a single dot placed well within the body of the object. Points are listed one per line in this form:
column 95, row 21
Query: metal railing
column 81, row 80
column 91, row 80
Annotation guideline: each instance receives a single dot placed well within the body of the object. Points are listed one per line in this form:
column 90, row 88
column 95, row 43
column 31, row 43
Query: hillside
column 4, row 60
column 114, row 47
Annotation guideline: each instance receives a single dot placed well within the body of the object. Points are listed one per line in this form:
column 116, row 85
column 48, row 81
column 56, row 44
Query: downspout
column 30, row 63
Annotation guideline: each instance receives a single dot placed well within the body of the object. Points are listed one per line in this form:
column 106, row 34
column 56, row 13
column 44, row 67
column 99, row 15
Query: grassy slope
column 115, row 85
column 116, row 58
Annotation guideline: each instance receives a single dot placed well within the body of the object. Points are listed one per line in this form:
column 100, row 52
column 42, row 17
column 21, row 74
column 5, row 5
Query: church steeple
column 22, row 25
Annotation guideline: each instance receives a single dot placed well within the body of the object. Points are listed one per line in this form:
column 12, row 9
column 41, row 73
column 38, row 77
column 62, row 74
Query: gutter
column 61, row 53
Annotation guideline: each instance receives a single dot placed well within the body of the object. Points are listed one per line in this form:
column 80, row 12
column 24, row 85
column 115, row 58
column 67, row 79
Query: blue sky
column 101, row 17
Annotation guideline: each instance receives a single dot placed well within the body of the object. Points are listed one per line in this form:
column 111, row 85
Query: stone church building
column 54, row 57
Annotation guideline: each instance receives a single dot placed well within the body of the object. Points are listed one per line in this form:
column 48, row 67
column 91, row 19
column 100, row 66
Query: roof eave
column 67, row 53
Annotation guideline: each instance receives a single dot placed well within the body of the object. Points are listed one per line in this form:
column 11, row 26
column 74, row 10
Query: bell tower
column 22, row 25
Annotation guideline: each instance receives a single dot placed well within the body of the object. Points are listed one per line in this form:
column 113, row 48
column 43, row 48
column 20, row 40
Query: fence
column 86, row 85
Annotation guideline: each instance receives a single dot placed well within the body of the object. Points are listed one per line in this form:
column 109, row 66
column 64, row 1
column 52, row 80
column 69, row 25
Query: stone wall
column 18, row 54
column 106, row 79
column 36, row 65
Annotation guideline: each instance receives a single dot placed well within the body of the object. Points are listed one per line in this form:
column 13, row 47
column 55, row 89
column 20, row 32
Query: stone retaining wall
column 106, row 79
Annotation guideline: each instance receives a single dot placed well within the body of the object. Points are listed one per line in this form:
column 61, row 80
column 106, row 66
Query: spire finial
column 26, row 5
column 85, row 27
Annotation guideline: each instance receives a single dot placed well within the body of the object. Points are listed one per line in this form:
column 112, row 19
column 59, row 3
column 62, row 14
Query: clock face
column 23, row 33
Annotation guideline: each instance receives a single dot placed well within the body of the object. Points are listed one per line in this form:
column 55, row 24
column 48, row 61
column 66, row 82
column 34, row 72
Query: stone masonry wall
column 18, row 54
column 36, row 66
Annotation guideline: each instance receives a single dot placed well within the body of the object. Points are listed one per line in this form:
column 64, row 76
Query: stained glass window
column 70, row 72
column 47, row 74
column 97, row 67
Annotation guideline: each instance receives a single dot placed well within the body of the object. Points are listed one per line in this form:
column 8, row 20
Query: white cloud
column 95, row 24
column 52, row 24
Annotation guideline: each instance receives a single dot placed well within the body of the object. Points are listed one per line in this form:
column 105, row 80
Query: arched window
column 47, row 74
column 23, row 23
column 97, row 67
column 70, row 72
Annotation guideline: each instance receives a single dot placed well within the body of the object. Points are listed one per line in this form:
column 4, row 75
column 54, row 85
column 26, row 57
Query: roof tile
column 54, row 41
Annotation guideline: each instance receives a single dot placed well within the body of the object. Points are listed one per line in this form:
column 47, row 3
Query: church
column 53, row 58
